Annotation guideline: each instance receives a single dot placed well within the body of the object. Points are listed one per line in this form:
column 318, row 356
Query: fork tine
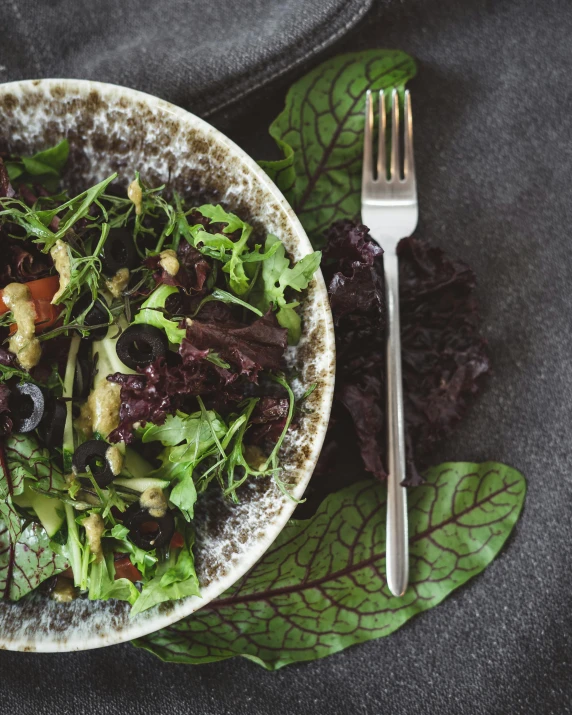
column 408, row 165
column 367, row 169
column 381, row 158
column 394, row 173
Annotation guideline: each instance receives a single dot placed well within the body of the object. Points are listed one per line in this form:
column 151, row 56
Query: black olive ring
column 119, row 251
column 140, row 345
column 52, row 425
column 27, row 406
column 136, row 516
column 97, row 315
column 92, row 455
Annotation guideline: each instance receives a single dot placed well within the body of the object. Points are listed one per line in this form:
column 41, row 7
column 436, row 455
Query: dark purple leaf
column 249, row 348
column 5, row 419
column 6, row 189
column 268, row 420
column 443, row 353
column 193, row 271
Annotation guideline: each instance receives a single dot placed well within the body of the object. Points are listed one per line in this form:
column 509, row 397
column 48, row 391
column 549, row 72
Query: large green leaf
column 20, row 458
column 24, row 565
column 320, row 133
column 322, row 587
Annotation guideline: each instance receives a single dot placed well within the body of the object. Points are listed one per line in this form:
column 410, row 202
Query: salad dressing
column 153, row 499
column 24, row 343
column 118, row 283
column 61, row 257
column 104, row 402
column 94, row 527
column 115, row 459
column 169, row 261
column 135, row 195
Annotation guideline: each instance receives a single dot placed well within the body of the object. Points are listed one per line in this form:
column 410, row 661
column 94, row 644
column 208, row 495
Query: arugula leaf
column 224, row 297
column 320, row 133
column 322, row 587
column 192, row 429
column 277, row 276
column 233, row 265
column 36, row 222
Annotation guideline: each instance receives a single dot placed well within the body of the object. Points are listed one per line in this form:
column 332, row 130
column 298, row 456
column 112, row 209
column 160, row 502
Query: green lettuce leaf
column 277, row 276
column 321, row 587
column 320, row 133
column 45, row 167
column 151, row 314
column 148, row 316
column 179, row 580
column 103, row 586
column 184, row 495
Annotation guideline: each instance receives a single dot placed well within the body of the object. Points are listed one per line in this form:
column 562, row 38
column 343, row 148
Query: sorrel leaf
column 322, row 587
column 320, row 132
column 27, row 563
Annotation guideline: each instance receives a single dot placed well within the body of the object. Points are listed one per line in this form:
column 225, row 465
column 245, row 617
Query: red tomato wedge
column 42, row 291
column 177, row 541
column 125, row 569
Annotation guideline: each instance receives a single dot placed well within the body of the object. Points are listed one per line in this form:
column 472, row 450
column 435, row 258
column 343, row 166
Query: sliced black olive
column 119, row 251
column 91, row 455
column 51, row 428
column 97, row 315
column 26, row 406
column 83, row 376
column 146, row 531
column 140, row 345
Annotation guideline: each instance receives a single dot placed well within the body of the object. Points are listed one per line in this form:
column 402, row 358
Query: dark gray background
column 492, row 108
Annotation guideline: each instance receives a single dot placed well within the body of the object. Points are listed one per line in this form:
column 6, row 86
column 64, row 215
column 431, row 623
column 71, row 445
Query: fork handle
column 397, row 545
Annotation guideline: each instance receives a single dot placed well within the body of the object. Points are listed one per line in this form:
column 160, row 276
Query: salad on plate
column 143, row 361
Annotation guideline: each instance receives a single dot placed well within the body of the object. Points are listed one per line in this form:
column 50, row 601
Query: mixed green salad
column 142, row 362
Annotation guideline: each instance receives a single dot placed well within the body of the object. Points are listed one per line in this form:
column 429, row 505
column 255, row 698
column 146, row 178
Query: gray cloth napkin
column 200, row 54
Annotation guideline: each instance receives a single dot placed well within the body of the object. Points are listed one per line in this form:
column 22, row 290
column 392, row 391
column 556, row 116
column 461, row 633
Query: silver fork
column 389, row 209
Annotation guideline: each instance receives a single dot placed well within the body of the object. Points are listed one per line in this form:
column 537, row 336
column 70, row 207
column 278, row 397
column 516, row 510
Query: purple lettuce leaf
column 444, row 356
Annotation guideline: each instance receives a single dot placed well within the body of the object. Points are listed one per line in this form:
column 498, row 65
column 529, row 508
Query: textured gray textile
column 492, row 107
column 200, row 54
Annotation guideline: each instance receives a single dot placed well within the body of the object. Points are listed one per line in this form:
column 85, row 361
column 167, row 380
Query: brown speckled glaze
column 116, row 129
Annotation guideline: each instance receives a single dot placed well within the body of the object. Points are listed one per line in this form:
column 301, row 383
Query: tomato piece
column 42, row 291
column 46, row 316
column 125, row 569
column 177, row 540
column 44, row 288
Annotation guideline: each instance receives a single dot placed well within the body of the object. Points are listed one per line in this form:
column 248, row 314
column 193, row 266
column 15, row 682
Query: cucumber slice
column 49, row 511
column 134, row 464
column 24, row 499
column 141, row 484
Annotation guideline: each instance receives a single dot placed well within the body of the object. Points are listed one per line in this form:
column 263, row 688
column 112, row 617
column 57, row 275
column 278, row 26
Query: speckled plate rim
column 186, row 607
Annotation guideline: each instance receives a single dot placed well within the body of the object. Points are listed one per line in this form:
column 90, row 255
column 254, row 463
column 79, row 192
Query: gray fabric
column 492, row 111
column 199, row 54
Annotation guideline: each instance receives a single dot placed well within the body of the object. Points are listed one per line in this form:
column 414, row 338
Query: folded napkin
column 200, row 54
